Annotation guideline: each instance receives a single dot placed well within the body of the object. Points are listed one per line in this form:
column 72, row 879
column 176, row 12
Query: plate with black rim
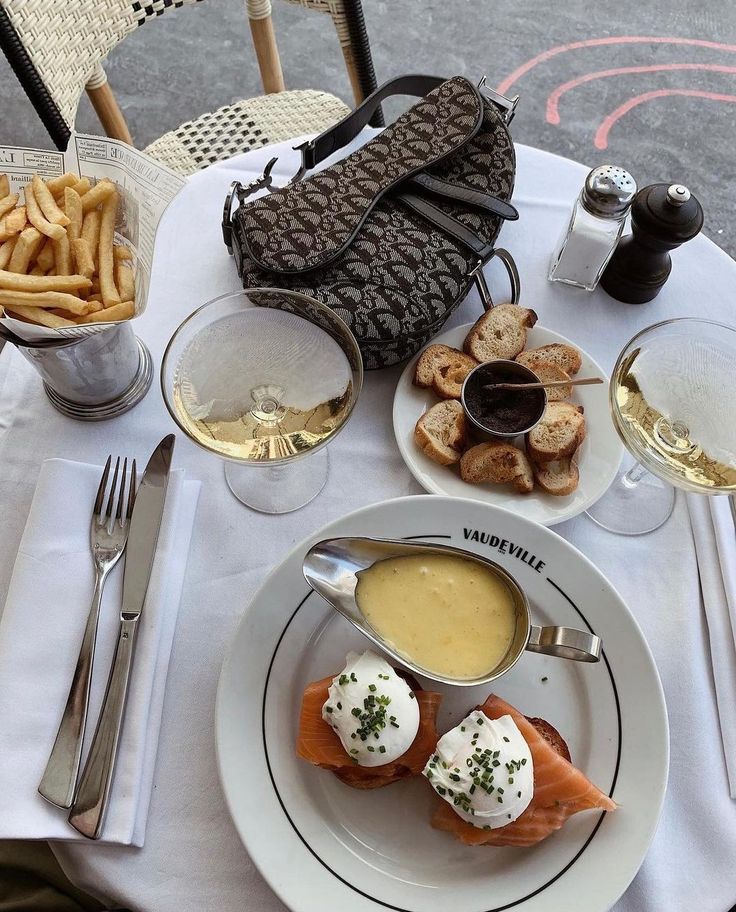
column 598, row 458
column 323, row 845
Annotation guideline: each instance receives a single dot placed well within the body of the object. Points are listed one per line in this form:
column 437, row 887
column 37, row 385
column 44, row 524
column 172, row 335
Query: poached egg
column 372, row 710
column 483, row 767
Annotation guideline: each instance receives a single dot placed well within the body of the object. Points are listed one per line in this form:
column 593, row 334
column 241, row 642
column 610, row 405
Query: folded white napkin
column 40, row 632
column 715, row 545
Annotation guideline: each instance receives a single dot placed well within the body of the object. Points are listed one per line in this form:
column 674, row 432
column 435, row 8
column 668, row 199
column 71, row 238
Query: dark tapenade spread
column 501, row 410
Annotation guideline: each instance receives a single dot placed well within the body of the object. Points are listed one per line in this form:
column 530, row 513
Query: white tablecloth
column 192, row 859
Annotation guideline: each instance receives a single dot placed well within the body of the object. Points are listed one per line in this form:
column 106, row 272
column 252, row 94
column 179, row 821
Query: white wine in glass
column 674, row 406
column 264, row 378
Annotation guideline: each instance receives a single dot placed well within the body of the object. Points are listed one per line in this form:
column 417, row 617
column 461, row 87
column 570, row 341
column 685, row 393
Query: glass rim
column 643, row 455
column 358, row 374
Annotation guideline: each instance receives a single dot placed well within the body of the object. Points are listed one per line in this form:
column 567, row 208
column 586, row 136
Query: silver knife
column 90, row 804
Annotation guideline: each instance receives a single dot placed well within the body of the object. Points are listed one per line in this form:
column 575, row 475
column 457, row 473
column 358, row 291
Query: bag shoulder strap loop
column 316, row 150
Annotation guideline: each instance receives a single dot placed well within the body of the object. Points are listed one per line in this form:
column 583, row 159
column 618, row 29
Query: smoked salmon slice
column 560, row 790
column 318, row 744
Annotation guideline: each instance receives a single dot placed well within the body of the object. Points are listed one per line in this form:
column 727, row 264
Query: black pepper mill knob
column 663, row 216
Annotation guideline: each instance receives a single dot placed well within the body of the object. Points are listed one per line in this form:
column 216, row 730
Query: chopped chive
column 372, row 688
column 518, row 794
column 381, row 749
column 328, row 709
column 441, row 791
column 505, row 739
column 545, row 679
column 371, row 749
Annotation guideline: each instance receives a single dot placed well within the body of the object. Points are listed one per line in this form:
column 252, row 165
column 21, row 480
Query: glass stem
column 635, row 474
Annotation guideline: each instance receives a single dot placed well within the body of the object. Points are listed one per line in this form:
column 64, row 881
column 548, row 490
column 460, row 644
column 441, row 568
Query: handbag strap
column 477, row 199
column 446, row 223
column 316, row 150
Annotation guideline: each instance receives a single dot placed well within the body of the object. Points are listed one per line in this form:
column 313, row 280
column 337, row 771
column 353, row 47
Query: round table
column 192, row 858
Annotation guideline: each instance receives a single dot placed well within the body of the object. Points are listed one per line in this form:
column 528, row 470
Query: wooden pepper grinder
column 663, row 216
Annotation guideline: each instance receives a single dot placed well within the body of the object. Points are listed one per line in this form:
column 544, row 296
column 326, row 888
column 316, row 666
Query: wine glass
column 264, row 378
column 673, row 405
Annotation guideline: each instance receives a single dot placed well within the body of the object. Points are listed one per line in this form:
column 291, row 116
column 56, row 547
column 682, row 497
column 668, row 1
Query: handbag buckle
column 242, row 192
column 511, row 270
column 507, row 106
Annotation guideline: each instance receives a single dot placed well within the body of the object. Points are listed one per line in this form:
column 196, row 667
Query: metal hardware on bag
column 308, row 162
column 513, row 273
column 242, row 192
column 507, row 106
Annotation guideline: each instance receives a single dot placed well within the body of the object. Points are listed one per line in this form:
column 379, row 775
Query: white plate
column 324, row 846
column 598, row 458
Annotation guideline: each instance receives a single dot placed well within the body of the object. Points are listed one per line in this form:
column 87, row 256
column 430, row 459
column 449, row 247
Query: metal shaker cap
column 608, row 191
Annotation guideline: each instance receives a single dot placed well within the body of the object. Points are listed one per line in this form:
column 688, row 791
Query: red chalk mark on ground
column 553, row 101
column 505, row 84
column 601, row 136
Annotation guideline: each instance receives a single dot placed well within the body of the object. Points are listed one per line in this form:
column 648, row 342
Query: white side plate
column 598, row 458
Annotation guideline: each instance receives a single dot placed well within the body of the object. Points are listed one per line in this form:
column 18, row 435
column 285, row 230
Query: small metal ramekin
column 480, row 431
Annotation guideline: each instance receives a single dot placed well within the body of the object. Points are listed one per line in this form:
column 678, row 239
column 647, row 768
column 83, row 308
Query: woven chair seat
column 246, row 125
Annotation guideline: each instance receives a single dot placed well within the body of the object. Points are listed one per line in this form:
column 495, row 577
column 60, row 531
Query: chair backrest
column 55, row 47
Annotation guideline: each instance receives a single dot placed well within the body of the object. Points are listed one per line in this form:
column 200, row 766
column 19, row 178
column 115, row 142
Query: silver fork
column 108, row 538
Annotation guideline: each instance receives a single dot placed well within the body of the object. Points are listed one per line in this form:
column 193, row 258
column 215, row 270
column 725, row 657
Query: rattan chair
column 56, row 48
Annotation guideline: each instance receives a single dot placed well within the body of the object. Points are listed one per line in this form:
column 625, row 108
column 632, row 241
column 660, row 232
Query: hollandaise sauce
column 450, row 615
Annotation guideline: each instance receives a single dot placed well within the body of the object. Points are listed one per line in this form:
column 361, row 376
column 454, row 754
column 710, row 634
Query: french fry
column 46, row 202
column 43, row 299
column 68, row 315
column 27, row 246
column 98, row 194
column 73, row 209
column 91, row 232
column 81, row 186
column 125, row 281
column 6, row 251
column 93, row 298
column 10, row 281
column 8, row 202
column 40, row 316
column 109, row 292
column 45, row 258
column 12, row 223
column 38, row 219
column 123, row 311
column 121, row 252
column 83, row 261
column 37, row 271
column 57, row 184
column 4, row 185
column 62, row 257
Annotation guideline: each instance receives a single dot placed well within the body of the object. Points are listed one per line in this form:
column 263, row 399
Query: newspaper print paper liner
column 146, row 188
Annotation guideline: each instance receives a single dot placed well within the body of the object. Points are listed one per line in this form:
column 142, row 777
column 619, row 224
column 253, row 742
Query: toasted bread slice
column 560, row 477
column 548, row 371
column 500, row 333
column 564, row 356
column 444, row 369
column 558, row 434
column 497, row 463
column 441, row 432
column 551, row 736
column 449, row 379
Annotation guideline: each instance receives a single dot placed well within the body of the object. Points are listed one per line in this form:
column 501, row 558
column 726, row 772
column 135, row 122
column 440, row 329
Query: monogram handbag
column 393, row 236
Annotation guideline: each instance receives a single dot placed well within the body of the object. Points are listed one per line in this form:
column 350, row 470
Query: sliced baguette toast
column 564, row 356
column 548, row 371
column 558, row 434
column 500, row 333
column 441, row 432
column 444, row 369
column 560, row 477
column 497, row 463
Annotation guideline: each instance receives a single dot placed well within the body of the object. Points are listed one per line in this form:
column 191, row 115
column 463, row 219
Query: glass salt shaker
column 594, row 229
